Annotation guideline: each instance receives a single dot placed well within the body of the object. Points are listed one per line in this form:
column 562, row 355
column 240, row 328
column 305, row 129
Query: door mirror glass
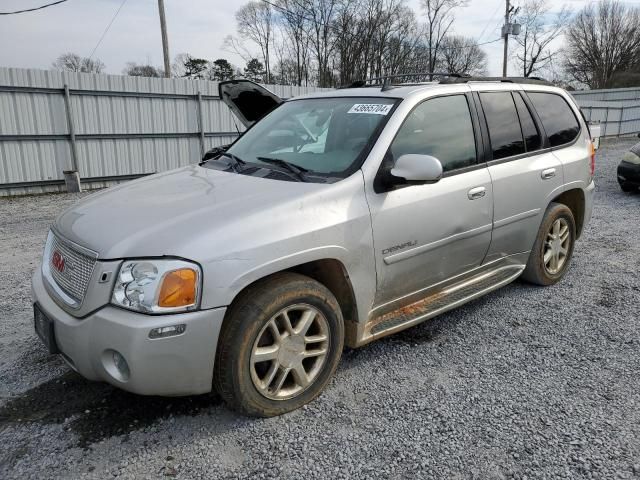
column 417, row 169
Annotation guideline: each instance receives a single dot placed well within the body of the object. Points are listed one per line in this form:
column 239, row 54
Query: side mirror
column 417, row 169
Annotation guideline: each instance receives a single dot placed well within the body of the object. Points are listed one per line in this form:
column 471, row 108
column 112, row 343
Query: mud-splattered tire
column 553, row 248
column 280, row 344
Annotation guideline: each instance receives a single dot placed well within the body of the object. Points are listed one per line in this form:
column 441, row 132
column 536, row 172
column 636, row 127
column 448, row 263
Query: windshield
column 322, row 135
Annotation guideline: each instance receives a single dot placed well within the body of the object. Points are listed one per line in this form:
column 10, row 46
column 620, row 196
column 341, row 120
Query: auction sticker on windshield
column 373, row 108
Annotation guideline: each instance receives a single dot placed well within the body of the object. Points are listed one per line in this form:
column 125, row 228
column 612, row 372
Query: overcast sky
column 195, row 26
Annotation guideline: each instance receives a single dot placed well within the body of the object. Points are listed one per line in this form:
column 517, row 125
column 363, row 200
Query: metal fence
column 617, row 110
column 111, row 128
column 107, row 127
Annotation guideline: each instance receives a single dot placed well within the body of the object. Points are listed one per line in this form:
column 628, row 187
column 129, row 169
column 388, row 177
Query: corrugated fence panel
column 631, row 120
column 218, row 118
column 23, row 161
column 605, row 95
column 32, row 114
column 135, row 156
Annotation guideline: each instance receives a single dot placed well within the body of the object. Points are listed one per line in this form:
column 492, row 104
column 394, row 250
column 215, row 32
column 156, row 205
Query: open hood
column 248, row 100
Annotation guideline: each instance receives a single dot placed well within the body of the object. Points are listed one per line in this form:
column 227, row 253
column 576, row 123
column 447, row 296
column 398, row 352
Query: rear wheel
column 279, row 346
column 553, row 248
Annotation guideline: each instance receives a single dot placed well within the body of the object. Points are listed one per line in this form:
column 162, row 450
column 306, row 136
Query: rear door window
column 504, row 125
column 532, row 138
column 557, row 117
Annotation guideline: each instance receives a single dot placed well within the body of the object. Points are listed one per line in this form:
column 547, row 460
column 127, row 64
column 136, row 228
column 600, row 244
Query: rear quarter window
column 557, row 117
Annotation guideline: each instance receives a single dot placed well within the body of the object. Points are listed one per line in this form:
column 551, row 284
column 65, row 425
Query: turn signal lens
column 179, row 288
column 592, row 165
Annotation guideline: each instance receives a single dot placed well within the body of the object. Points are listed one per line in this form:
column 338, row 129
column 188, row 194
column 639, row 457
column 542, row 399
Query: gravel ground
column 524, row 383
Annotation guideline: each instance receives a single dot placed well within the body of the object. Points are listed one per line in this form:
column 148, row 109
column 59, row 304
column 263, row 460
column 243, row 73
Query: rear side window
column 440, row 127
column 529, row 131
column 558, row 120
column 504, row 124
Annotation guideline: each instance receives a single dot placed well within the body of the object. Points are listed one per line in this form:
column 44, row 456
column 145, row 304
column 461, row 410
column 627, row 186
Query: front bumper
column 170, row 366
column 629, row 174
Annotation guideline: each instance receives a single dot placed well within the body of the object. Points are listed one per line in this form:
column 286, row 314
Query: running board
column 439, row 301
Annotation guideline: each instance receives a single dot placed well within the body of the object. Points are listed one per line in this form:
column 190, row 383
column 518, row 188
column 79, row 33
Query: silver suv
column 337, row 218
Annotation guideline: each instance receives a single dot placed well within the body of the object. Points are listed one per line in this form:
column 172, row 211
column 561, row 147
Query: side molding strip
column 516, row 218
column 391, row 259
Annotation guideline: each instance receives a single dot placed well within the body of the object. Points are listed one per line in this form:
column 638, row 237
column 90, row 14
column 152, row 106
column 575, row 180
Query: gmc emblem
column 57, row 260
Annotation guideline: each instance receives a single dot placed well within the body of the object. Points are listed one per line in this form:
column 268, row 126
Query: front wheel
column 279, row 345
column 625, row 187
column 553, row 248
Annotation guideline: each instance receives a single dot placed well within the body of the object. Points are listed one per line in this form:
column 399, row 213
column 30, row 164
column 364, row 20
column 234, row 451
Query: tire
column 625, row 187
column 251, row 358
column 537, row 270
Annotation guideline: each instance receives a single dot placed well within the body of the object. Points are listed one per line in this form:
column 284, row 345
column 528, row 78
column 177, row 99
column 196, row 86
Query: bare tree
column 71, row 62
column 321, row 15
column 235, row 45
column 603, row 41
column 462, row 55
column 255, row 22
column 334, row 42
column 404, row 51
column 294, row 44
column 534, row 49
column 440, row 16
column 177, row 67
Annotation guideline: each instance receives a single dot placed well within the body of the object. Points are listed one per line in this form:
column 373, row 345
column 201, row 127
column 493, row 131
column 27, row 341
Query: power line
column 107, row 29
column 33, row 9
column 490, row 20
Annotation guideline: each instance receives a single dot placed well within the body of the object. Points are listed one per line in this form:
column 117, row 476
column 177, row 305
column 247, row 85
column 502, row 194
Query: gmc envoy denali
column 337, row 218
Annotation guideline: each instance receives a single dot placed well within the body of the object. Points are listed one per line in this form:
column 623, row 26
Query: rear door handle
column 548, row 173
column 476, row 193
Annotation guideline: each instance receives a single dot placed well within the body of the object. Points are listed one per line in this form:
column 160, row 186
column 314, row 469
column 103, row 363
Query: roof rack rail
column 526, row 80
column 389, row 81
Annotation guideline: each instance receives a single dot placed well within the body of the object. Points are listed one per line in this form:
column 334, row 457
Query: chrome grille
column 74, row 276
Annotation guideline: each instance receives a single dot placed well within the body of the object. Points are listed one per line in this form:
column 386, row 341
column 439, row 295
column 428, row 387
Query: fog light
column 121, row 365
column 169, row 331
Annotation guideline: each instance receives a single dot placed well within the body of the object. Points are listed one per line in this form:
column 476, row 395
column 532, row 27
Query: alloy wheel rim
column 556, row 246
column 289, row 352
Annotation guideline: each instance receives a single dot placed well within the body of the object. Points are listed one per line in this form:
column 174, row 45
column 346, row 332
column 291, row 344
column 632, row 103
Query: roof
column 385, row 89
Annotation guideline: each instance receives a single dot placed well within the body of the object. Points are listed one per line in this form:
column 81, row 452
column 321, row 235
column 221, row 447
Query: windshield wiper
column 236, row 162
column 296, row 170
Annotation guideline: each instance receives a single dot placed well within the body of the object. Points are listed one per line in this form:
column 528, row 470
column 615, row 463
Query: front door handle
column 476, row 193
column 548, row 173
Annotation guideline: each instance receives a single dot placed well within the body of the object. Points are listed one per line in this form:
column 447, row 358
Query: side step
column 439, row 301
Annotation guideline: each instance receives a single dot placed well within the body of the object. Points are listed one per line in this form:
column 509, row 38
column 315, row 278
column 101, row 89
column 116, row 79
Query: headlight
column 157, row 286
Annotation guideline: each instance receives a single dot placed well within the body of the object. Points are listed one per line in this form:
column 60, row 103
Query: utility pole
column 165, row 40
column 505, row 32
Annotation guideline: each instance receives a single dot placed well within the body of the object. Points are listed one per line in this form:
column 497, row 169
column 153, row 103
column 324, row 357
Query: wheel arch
column 331, row 273
column 575, row 200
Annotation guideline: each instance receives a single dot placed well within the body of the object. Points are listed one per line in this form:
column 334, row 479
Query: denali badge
column 395, row 248
column 57, row 260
